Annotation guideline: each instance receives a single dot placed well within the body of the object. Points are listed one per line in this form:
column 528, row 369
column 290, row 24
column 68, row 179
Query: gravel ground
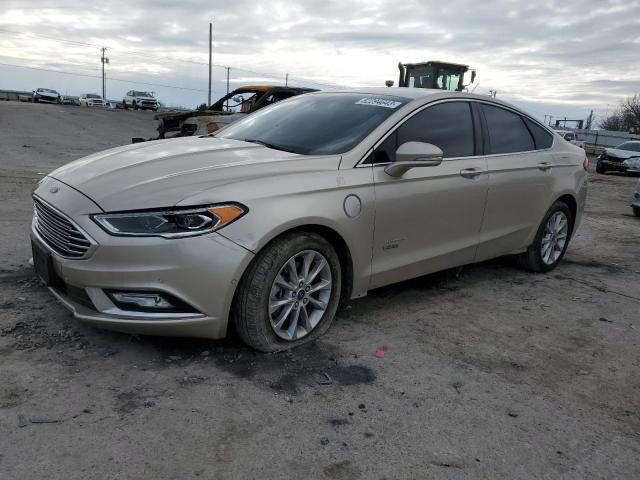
column 490, row 372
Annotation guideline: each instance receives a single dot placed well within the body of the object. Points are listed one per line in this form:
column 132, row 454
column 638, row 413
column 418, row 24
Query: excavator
column 434, row 74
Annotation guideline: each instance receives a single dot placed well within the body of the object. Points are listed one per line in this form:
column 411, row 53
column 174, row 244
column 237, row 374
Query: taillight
column 585, row 164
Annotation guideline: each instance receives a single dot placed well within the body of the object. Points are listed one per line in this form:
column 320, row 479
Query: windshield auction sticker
column 378, row 102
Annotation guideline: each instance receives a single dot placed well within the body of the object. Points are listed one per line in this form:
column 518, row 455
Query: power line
column 165, row 59
column 73, row 42
column 99, row 76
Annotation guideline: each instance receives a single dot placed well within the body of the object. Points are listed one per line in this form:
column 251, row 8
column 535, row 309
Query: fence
column 597, row 140
column 13, row 94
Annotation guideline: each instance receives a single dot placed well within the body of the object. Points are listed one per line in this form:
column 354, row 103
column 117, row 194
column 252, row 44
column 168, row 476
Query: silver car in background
column 272, row 222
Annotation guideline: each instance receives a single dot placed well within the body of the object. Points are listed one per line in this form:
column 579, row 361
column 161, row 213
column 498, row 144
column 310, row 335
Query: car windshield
column 316, row 124
column 92, row 95
column 142, row 94
column 46, row 90
column 629, row 146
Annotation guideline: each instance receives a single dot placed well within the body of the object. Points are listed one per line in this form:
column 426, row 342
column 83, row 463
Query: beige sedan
column 272, row 222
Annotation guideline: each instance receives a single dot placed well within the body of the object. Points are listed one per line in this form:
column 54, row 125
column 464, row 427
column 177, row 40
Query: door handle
column 470, row 172
column 544, row 166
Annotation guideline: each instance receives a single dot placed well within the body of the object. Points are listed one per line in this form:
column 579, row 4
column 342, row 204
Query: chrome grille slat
column 61, row 241
column 72, row 235
column 59, row 232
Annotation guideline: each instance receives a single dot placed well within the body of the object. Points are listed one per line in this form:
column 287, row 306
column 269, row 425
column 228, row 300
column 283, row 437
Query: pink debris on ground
column 381, row 351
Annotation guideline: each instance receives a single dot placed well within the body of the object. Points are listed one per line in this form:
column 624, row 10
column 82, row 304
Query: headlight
column 170, row 223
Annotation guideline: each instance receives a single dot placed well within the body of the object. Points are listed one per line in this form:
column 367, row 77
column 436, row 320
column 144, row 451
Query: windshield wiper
column 269, row 145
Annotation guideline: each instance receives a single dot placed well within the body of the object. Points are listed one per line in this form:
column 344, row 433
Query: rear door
column 520, row 166
column 429, row 219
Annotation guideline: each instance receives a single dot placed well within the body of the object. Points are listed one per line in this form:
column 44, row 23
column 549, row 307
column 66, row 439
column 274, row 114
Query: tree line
column 626, row 118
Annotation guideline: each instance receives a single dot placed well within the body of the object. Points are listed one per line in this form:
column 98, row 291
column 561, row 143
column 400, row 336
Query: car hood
column 614, row 152
column 165, row 173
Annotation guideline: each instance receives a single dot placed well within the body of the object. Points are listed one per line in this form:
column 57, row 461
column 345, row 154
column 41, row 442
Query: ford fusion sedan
column 46, row 95
column 624, row 158
column 271, row 223
column 635, row 201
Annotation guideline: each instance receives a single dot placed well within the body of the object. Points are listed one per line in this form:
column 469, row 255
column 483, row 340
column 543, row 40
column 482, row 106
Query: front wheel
column 289, row 294
column 551, row 240
column 600, row 168
column 636, row 211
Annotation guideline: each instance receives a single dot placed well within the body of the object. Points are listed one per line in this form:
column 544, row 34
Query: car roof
column 412, row 93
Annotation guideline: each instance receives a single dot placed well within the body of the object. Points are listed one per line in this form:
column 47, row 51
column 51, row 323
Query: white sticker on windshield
column 378, row 102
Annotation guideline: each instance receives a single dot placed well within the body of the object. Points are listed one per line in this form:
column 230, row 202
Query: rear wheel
column 135, row 107
column 551, row 240
column 124, row 105
column 289, row 294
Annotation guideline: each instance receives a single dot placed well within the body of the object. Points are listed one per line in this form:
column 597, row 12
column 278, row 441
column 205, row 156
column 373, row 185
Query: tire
column 636, row 211
column 135, row 107
column 251, row 314
column 600, row 168
column 532, row 259
column 124, row 105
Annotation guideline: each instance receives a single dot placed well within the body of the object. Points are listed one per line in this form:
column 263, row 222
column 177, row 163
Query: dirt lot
column 490, row 373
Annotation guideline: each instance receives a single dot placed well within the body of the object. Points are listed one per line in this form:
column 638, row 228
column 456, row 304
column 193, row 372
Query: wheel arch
column 572, row 203
column 336, row 240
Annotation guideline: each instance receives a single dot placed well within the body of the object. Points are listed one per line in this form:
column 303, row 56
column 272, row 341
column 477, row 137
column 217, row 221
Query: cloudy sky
column 550, row 57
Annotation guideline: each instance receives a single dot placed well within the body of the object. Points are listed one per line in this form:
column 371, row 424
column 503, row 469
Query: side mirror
column 413, row 155
column 473, row 76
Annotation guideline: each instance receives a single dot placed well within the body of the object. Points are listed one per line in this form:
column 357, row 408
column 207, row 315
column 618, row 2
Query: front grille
column 61, row 235
column 610, row 159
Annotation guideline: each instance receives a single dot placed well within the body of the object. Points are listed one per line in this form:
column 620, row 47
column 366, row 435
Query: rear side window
column 507, row 131
column 446, row 125
column 541, row 137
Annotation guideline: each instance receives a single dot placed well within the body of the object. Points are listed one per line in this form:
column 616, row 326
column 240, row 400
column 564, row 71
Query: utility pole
column 210, row 48
column 104, row 60
column 286, row 80
column 226, row 103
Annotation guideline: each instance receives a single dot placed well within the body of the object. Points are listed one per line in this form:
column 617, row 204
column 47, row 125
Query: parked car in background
column 269, row 223
column 91, row 100
column 70, row 100
column 46, row 95
column 228, row 109
column 619, row 159
column 140, row 101
column 635, row 201
column 572, row 137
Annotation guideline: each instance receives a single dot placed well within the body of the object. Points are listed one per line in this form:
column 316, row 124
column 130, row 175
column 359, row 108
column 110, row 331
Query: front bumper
column 201, row 271
column 613, row 165
column 147, row 104
column 41, row 98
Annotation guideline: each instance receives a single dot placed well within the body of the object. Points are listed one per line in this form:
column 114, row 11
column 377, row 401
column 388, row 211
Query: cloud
column 561, row 56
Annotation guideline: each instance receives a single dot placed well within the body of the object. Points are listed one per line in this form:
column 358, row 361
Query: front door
column 429, row 219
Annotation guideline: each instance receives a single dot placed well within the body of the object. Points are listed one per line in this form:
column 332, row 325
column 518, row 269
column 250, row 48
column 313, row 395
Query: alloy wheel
column 554, row 238
column 300, row 295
